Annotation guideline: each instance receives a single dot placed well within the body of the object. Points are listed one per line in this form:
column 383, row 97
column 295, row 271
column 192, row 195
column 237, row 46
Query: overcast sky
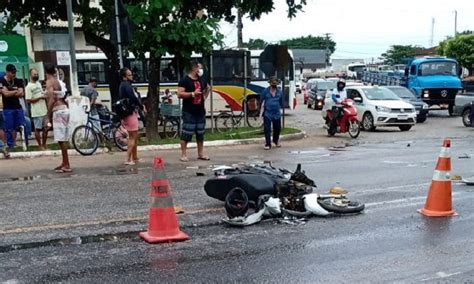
column 363, row 28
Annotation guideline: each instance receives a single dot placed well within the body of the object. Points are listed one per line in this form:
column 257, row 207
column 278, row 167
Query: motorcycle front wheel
column 341, row 205
column 353, row 129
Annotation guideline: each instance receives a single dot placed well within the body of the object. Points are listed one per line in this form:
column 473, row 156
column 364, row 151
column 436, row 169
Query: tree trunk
column 153, row 98
column 112, row 65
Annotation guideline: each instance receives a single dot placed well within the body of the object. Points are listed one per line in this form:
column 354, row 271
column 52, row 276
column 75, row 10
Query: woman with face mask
column 272, row 100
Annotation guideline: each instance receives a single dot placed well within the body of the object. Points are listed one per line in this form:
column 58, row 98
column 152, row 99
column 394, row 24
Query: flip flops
column 184, row 159
column 204, row 158
column 63, row 170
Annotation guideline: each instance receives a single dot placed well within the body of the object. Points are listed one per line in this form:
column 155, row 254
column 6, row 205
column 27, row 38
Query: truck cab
column 435, row 80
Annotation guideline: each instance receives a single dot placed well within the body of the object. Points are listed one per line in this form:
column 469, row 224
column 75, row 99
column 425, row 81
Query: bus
column 229, row 92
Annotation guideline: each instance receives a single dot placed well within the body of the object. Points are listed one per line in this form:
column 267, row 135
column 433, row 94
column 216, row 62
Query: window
column 438, row 68
column 88, row 69
column 413, row 70
column 138, row 71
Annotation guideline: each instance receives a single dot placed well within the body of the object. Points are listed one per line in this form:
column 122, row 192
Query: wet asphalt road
column 389, row 242
column 388, row 170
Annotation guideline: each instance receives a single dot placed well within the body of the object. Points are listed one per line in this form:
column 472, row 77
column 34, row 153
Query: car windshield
column 380, row 94
column 403, row 93
column 329, row 85
column 438, row 68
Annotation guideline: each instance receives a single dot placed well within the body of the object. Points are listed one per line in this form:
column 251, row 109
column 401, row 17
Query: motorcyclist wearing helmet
column 338, row 95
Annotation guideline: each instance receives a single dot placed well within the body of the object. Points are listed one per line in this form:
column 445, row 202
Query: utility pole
column 119, row 35
column 327, row 50
column 240, row 26
column 72, row 49
column 455, row 23
column 432, row 32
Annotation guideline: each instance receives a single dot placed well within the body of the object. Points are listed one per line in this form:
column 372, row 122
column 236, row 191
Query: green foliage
column 310, row 42
column 396, row 53
column 461, row 48
column 256, row 44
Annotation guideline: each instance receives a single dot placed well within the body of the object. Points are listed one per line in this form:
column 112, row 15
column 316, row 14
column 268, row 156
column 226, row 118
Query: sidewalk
column 218, row 143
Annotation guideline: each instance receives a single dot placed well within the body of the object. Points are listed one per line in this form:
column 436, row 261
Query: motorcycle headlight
column 382, row 109
column 320, row 97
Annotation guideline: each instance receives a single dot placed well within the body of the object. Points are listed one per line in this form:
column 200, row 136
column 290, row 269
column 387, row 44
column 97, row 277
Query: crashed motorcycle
column 273, row 192
column 345, row 122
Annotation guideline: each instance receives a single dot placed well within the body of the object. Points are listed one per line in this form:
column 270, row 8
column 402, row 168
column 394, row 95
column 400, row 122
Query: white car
column 379, row 107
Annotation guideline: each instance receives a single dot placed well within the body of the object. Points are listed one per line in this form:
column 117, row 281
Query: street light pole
column 72, row 49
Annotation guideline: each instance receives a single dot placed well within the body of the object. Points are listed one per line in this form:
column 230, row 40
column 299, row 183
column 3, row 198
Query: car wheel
column 405, row 127
column 368, row 122
column 421, row 119
column 466, row 117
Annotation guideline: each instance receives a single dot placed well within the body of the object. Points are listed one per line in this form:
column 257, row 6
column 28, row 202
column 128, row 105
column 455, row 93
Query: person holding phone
column 193, row 89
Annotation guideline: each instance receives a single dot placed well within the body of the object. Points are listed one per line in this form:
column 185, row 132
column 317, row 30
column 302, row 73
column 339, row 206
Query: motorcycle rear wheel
column 341, row 206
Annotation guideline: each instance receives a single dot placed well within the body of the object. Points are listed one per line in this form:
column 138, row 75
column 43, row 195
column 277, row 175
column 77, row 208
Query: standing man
column 12, row 91
column 37, row 99
column 193, row 90
column 3, row 145
column 57, row 107
column 272, row 100
column 91, row 92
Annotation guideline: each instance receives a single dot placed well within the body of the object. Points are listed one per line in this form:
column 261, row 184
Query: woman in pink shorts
column 130, row 123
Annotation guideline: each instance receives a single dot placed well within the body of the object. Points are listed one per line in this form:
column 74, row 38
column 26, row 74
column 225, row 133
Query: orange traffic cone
column 439, row 201
column 163, row 224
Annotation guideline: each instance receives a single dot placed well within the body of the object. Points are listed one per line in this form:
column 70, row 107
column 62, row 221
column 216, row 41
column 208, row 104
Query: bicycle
column 228, row 119
column 85, row 138
column 170, row 119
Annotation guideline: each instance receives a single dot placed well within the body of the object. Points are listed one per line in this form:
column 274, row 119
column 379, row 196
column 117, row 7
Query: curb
column 217, row 143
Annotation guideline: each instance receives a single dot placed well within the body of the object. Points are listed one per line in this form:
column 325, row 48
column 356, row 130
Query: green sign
column 13, row 45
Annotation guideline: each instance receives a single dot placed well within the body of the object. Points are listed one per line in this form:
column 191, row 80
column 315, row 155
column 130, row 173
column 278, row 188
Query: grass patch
column 237, row 133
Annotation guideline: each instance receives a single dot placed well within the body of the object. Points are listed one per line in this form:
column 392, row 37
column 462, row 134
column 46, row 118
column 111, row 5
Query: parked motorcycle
column 346, row 122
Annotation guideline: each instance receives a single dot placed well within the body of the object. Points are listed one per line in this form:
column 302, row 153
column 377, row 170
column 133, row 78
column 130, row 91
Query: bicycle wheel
column 121, row 137
column 171, row 128
column 85, row 140
column 254, row 119
column 224, row 122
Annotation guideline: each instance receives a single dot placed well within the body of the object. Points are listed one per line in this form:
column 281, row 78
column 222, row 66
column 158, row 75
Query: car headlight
column 413, row 110
column 426, row 94
column 382, row 109
column 426, row 106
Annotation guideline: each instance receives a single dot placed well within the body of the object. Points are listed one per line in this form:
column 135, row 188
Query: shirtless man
column 59, row 112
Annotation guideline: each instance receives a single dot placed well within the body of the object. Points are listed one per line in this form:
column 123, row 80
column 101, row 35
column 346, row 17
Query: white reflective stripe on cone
column 445, row 152
column 441, row 176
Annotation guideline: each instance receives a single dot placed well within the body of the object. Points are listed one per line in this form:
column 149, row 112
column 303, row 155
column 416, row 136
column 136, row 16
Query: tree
column 461, row 48
column 181, row 27
column 161, row 26
column 256, row 44
column 397, row 53
column 95, row 22
column 310, row 42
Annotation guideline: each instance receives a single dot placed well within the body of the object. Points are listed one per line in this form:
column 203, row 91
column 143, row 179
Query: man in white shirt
column 36, row 97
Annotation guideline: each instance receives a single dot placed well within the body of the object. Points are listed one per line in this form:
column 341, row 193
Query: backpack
column 123, row 108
